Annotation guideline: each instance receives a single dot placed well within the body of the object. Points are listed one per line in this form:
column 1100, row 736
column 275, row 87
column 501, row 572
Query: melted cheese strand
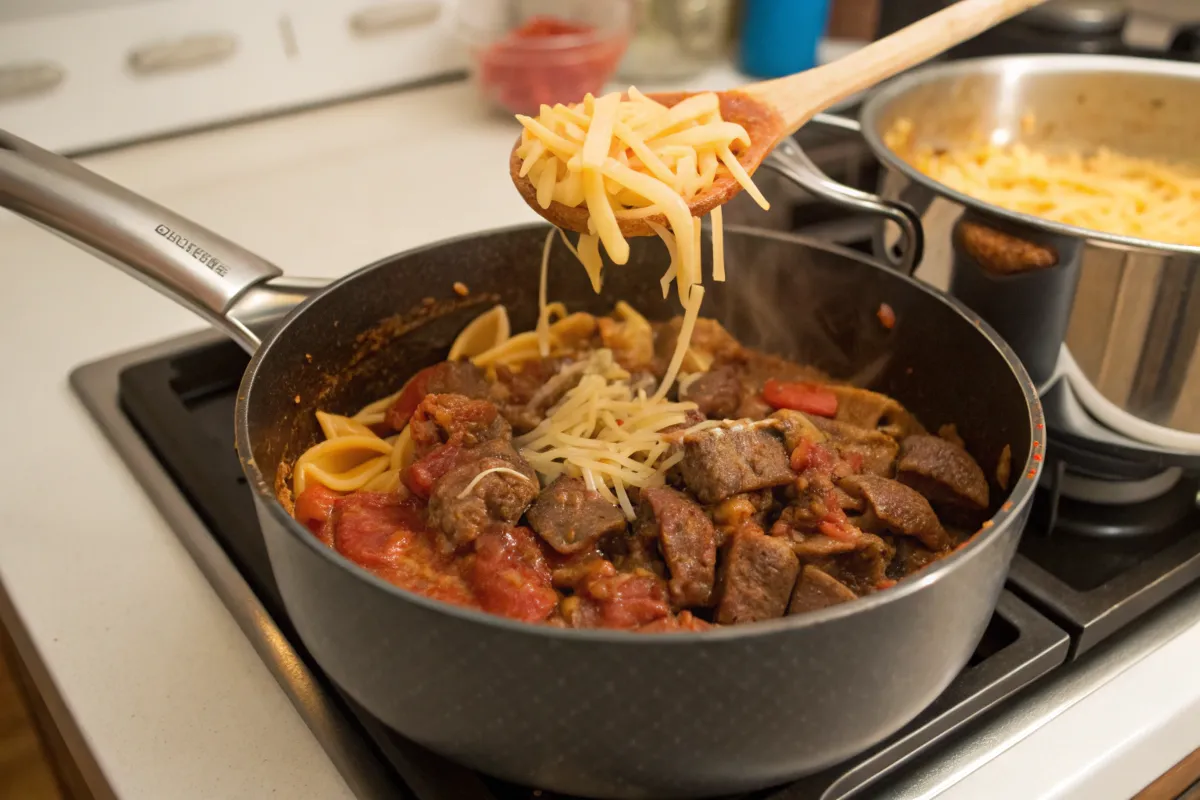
column 475, row 481
column 718, row 243
column 543, row 323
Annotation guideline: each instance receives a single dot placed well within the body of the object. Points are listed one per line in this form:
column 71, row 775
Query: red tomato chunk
column 807, row 397
column 510, row 575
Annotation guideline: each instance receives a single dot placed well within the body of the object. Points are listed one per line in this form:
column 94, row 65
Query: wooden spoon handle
column 797, row 97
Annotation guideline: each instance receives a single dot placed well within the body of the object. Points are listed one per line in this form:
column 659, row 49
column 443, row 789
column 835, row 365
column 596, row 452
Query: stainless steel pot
column 1127, row 310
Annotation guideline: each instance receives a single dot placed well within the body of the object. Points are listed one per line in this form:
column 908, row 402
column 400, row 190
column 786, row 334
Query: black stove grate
column 182, row 405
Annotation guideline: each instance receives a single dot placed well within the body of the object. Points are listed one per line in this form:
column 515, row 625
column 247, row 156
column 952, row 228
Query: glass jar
column 675, row 39
column 526, row 53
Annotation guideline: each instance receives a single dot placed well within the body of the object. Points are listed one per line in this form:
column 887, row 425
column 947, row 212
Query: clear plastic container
column 526, row 53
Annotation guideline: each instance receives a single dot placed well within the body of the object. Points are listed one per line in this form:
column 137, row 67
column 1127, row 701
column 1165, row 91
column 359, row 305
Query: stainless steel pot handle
column 790, row 161
column 223, row 282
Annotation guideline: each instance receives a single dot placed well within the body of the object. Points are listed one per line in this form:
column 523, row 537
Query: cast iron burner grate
column 180, row 396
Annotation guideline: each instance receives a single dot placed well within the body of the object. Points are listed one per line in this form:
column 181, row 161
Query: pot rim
column 878, row 100
column 1012, row 512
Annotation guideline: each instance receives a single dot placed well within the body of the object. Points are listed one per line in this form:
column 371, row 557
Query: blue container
column 779, row 37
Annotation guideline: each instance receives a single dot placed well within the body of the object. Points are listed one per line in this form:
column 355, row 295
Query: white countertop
column 171, row 699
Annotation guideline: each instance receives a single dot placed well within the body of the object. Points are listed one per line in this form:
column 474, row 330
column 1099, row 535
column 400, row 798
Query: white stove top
column 158, row 690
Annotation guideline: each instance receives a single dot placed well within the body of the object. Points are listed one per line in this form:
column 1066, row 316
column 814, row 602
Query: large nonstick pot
column 589, row 712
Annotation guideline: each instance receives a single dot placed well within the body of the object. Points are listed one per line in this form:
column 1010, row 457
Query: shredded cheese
column 633, row 158
column 606, row 433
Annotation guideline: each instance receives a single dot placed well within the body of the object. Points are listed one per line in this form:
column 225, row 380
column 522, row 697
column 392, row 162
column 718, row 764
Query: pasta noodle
column 1103, row 191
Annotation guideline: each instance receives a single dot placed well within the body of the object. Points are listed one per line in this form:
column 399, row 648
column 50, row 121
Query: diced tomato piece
column 855, row 460
column 510, row 575
column 628, row 600
column 410, row 397
column 886, row 583
column 807, row 397
column 835, row 524
column 424, row 473
column 313, row 507
column 365, row 523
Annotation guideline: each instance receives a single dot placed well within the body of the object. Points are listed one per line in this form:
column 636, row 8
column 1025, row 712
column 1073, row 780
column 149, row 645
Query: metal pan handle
column 790, row 161
column 221, row 281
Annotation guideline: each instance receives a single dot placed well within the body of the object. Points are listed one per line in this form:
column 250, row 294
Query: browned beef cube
column 892, row 507
column 442, row 418
column 869, row 450
column 717, row 394
column 570, row 517
column 446, row 377
column 817, row 589
column 461, row 507
column 686, row 539
column 863, row 569
column 757, row 577
column 721, row 462
column 943, row 472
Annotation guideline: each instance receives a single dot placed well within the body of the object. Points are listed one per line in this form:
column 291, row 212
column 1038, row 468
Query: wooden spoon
column 773, row 110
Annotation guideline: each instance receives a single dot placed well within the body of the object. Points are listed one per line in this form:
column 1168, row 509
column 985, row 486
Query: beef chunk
column 455, row 418
column 817, row 589
column 757, row 577
column 892, row 507
column 524, row 395
column 570, row 517
column 717, row 394
column 448, row 377
column 631, row 341
column 862, row 570
column 686, row 539
column 721, row 462
column 943, row 472
column 458, row 377
column 808, row 545
column 710, row 344
column 872, row 410
column 868, row 450
column 499, row 496
column 910, row 556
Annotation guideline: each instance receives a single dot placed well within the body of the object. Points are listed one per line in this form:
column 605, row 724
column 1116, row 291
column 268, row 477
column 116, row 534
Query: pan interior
column 361, row 339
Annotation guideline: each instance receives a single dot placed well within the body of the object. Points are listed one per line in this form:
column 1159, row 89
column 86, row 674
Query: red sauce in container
column 546, row 61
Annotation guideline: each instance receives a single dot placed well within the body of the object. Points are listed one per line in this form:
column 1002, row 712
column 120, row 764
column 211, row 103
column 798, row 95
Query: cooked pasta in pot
column 1103, row 190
